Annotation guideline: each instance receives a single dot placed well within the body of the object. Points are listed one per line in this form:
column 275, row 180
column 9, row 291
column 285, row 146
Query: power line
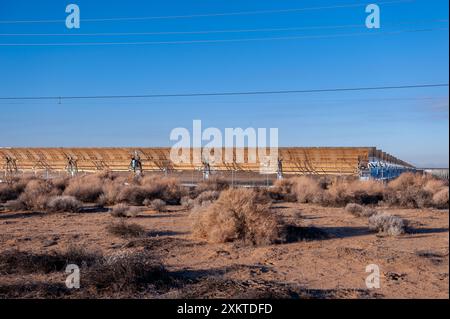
column 371, row 88
column 329, row 36
column 208, row 14
column 221, row 31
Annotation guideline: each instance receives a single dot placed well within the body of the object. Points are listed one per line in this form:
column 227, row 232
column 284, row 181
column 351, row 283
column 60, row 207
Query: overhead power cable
column 307, row 37
column 200, row 94
column 305, row 28
column 350, row 5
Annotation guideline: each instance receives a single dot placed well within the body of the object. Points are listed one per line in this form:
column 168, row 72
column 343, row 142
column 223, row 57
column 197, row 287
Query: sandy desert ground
column 331, row 264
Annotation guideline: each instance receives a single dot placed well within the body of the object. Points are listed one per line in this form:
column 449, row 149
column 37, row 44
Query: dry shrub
column 359, row 210
column 157, row 204
column 123, row 274
column 187, row 202
column 64, row 204
column 110, row 192
column 123, row 210
column 107, row 175
column 387, row 224
column 35, row 196
column 282, row 189
column 416, row 191
column 308, row 190
column 238, row 215
column 167, row 189
column 12, row 191
column 212, row 184
column 125, row 230
column 354, row 209
column 440, row 199
column 406, row 180
column 15, row 261
column 60, row 183
column 344, row 191
column 434, row 185
column 87, row 188
column 133, row 195
column 206, row 198
column 127, row 272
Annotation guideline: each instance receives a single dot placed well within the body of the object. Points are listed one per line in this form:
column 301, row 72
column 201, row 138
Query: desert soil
column 414, row 265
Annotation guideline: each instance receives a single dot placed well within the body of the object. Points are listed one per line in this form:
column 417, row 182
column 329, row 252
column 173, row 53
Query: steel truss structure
column 357, row 161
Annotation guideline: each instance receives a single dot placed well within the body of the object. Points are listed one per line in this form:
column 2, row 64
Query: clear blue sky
column 410, row 124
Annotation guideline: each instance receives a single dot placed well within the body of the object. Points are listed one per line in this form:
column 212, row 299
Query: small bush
column 8, row 192
column 125, row 230
column 123, row 210
column 110, row 192
column 187, row 202
column 344, row 191
column 308, row 190
column 238, row 215
column 87, row 188
column 359, row 210
column 354, row 209
column 36, row 195
column 64, row 204
column 440, row 199
column 283, row 189
column 167, row 189
column 212, row 184
column 207, row 197
column 127, row 272
column 387, row 224
column 15, row 261
column 157, row 205
column 60, row 183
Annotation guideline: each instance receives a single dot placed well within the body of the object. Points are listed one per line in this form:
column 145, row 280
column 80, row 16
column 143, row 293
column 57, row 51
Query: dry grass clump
column 13, row 190
column 110, row 192
column 16, row 261
column 35, row 196
column 167, row 189
column 87, row 188
column 212, row 184
column 203, row 199
column 354, row 209
column 359, row 210
column 150, row 188
column 282, row 189
column 130, row 272
column 308, row 190
column 344, row 191
column 187, row 202
column 122, row 274
column 417, row 191
column 64, row 203
column 123, row 210
column 387, row 224
column 207, row 198
column 125, row 230
column 157, row 205
column 238, row 215
column 440, row 198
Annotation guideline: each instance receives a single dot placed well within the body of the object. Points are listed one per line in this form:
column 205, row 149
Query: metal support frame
column 206, row 170
column 72, row 166
column 136, row 164
column 10, row 169
column 280, row 169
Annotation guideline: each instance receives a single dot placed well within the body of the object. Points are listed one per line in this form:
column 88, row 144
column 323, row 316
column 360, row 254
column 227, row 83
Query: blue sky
column 410, row 124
